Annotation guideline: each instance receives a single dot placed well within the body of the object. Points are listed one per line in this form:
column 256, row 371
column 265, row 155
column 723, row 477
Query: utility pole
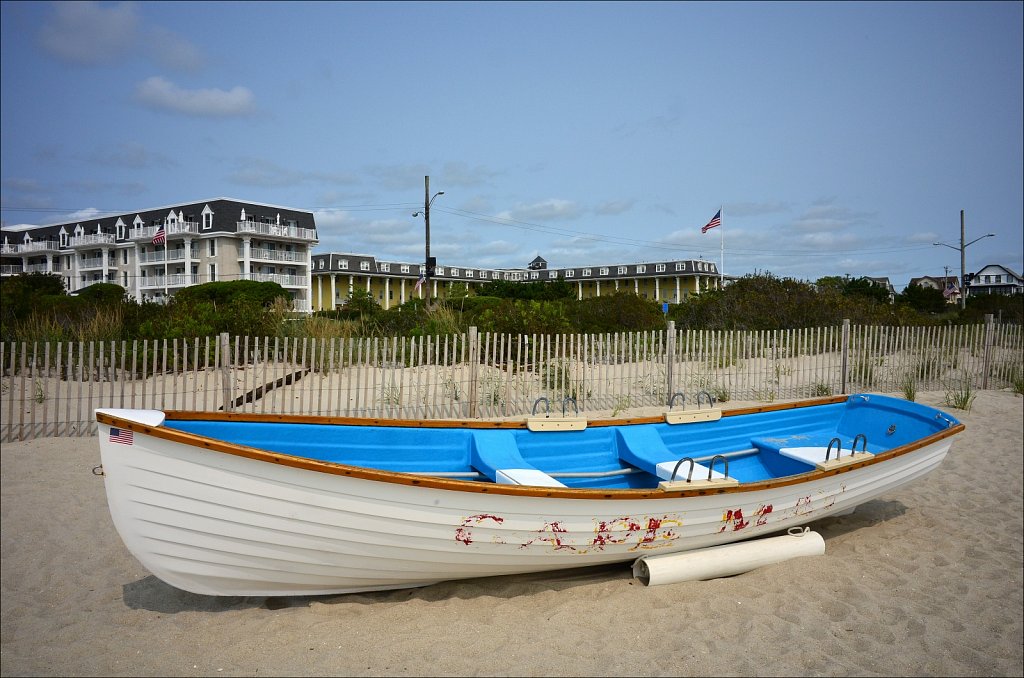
column 963, row 263
column 428, row 262
column 963, row 268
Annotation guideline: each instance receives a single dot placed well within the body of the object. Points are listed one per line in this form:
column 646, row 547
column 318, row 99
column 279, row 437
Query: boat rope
column 98, row 470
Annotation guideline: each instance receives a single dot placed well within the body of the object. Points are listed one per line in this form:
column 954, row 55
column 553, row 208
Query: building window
column 124, row 257
column 641, row 268
column 207, row 220
column 622, row 270
column 364, row 266
column 439, row 270
column 534, row 275
column 586, row 272
column 386, row 268
column 213, row 247
column 604, row 270
column 553, row 274
column 469, row 273
column 321, row 266
column 213, row 272
column 405, row 268
column 680, row 266
column 343, row 264
column 569, row 273
column 660, row 268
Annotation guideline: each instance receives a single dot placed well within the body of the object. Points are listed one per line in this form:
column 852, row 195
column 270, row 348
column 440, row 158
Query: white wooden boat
column 272, row 505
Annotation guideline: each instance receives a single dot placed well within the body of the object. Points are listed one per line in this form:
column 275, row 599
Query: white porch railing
column 276, row 230
column 274, row 255
column 283, row 280
column 92, row 240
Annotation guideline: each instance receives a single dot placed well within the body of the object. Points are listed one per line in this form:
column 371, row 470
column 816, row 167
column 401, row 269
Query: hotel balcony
column 92, row 240
column 6, row 269
column 40, row 246
column 39, row 268
column 146, row 258
column 276, row 231
column 176, row 280
column 259, row 254
column 182, row 228
column 280, row 279
column 92, row 262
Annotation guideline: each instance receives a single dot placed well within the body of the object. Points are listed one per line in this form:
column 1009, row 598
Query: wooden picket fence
column 52, row 389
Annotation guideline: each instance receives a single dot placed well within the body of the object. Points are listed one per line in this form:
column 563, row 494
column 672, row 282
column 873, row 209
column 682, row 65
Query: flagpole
column 721, row 272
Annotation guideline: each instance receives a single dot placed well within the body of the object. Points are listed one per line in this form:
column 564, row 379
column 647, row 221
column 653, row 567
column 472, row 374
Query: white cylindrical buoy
column 728, row 559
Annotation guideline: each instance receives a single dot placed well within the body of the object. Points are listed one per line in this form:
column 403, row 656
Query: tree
column 924, row 299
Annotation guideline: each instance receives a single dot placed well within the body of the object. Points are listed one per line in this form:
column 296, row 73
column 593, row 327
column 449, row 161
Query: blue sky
column 840, row 138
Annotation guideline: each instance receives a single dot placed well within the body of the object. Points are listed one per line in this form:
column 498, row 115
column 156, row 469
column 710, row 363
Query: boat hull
column 225, row 524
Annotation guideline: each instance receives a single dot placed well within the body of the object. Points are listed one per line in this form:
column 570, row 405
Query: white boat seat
column 700, row 471
column 497, row 456
column 525, row 476
column 815, row 456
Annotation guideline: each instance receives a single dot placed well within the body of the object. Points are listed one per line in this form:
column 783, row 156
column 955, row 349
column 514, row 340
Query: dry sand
column 923, row 581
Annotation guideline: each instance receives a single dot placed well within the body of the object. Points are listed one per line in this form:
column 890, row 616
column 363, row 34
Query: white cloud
column 91, row 34
column 131, row 155
column 86, row 33
column 614, row 207
column 173, row 51
column 161, row 94
column 267, row 174
column 545, row 210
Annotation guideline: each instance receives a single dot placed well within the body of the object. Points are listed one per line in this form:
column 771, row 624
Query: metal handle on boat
column 942, row 417
column 535, row 403
column 675, row 395
column 859, row 436
column 705, row 394
column 570, row 399
column 689, row 476
column 839, row 448
column 711, row 466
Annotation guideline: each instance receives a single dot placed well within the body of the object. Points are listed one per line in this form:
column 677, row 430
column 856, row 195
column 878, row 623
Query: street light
column 963, row 246
column 428, row 265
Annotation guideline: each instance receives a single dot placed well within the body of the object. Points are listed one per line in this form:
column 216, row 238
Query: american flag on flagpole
column 161, row 236
column 121, row 435
column 419, row 283
column 715, row 221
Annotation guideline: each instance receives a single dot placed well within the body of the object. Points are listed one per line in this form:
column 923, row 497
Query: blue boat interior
column 614, row 457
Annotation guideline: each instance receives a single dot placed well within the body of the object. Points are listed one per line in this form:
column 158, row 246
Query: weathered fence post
column 225, row 370
column 845, row 355
column 989, row 334
column 670, row 359
column 474, row 371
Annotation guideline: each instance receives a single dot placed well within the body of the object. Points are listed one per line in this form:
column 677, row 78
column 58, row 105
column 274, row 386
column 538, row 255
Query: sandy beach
column 926, row 580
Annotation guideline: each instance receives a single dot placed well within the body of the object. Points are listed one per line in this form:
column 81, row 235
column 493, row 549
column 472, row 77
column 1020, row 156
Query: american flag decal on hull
column 121, row 435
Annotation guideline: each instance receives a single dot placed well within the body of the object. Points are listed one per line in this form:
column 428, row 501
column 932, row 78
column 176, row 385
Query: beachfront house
column 996, row 279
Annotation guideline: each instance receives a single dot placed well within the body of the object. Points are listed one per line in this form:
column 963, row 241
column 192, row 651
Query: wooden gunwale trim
column 394, row 477
column 257, row 417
